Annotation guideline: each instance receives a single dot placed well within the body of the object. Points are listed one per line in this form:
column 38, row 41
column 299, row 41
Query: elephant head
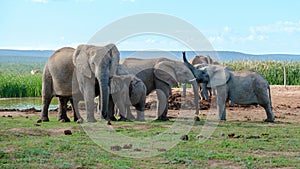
column 200, row 75
column 96, row 63
column 172, row 72
column 218, row 75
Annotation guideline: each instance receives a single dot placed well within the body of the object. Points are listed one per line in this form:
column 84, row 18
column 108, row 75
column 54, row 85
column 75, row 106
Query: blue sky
column 256, row 26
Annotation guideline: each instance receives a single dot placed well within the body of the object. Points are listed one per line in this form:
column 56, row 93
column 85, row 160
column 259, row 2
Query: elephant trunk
column 188, row 64
column 103, row 77
column 196, row 95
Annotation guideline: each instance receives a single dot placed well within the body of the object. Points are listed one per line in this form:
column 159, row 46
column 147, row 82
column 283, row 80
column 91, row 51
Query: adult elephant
column 161, row 74
column 200, row 59
column 94, row 65
column 127, row 90
column 240, row 87
column 58, row 81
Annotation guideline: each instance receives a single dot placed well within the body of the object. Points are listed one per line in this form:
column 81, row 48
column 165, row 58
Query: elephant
column 240, row 87
column 127, row 90
column 94, row 65
column 161, row 74
column 201, row 60
column 58, row 81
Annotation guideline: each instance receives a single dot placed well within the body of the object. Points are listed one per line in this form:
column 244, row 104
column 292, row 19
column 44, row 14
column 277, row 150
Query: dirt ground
column 285, row 102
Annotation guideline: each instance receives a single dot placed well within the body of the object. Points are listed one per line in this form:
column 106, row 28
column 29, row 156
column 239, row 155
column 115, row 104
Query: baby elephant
column 240, row 87
column 127, row 90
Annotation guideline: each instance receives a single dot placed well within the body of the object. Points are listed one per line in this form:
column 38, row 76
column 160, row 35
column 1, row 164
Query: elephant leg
column 129, row 115
column 163, row 92
column 204, row 91
column 221, row 102
column 77, row 117
column 270, row 115
column 62, row 113
column 46, row 103
column 140, row 108
column 111, row 109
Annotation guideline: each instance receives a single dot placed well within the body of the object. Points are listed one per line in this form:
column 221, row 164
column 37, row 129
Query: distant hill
column 41, row 56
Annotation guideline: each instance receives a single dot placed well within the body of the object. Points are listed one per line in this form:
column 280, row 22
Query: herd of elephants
column 89, row 71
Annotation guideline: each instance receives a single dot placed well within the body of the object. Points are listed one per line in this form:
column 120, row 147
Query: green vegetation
column 271, row 70
column 20, row 85
column 256, row 145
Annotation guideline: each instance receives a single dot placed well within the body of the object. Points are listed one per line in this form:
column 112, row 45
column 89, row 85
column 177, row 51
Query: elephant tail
column 269, row 90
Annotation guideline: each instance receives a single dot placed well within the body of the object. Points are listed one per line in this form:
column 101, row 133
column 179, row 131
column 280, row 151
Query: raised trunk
column 187, row 63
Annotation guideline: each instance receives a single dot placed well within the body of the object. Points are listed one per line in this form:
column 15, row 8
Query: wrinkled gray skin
column 58, row 81
column 94, row 66
column 240, row 87
column 127, row 90
column 161, row 74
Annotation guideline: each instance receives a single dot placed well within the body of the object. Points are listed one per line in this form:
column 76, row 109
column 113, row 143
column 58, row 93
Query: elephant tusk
column 192, row 80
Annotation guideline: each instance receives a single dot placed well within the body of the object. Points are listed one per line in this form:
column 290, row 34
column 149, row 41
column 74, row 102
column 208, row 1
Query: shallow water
column 22, row 103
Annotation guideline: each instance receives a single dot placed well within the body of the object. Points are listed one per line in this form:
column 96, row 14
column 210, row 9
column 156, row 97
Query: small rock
column 68, row 132
column 79, row 121
column 115, row 148
column 161, row 149
column 127, row 146
column 199, row 136
column 231, row 135
column 9, row 115
column 3, row 116
column 184, row 137
column 137, row 149
column 26, row 117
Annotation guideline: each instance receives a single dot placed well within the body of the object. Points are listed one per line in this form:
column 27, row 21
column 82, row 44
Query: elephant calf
column 240, row 87
column 127, row 90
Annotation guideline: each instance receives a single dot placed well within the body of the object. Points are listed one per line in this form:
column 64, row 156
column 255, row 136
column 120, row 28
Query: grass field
column 254, row 145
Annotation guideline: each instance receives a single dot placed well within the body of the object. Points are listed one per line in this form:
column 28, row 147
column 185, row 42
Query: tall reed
column 273, row 71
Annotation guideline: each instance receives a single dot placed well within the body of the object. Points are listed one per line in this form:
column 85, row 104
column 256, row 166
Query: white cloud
column 40, row 1
column 278, row 27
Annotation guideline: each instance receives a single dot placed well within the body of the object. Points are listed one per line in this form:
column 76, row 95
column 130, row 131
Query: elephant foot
column 79, row 121
column 66, row 119
column 113, row 118
column 122, row 118
column 91, row 119
column 43, row 119
column 196, row 118
column 141, row 120
column 163, row 118
column 269, row 120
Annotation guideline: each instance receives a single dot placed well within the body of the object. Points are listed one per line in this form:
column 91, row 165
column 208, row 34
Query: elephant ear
column 114, row 54
column 218, row 75
column 165, row 72
column 81, row 60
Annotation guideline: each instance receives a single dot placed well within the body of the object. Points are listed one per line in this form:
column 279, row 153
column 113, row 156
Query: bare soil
column 285, row 103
